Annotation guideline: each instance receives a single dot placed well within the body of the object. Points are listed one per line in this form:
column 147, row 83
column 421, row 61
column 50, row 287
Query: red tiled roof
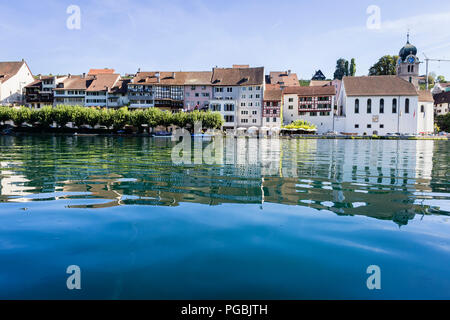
column 103, row 81
column 284, row 78
column 9, row 69
column 272, row 95
column 425, row 96
column 378, row 86
column 94, row 72
column 238, row 76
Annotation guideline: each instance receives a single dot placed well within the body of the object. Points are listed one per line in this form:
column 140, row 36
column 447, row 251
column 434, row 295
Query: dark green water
column 293, row 219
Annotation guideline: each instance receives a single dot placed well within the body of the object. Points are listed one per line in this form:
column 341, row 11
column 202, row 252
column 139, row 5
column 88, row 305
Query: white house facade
column 14, row 77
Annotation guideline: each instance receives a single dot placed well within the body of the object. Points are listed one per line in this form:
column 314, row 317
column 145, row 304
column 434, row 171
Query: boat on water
column 162, row 134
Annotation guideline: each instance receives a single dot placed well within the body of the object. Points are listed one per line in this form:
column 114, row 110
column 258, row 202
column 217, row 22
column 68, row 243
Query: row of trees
column 110, row 118
column 345, row 68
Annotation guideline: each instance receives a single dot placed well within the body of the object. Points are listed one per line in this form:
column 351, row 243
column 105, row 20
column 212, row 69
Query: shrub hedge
column 110, row 118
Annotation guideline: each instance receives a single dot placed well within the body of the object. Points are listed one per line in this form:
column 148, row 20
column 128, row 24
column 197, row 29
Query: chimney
column 139, row 70
column 173, row 75
column 69, row 75
column 289, row 72
column 84, row 75
column 157, row 75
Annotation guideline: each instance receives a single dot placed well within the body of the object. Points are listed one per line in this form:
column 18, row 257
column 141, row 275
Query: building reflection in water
column 383, row 179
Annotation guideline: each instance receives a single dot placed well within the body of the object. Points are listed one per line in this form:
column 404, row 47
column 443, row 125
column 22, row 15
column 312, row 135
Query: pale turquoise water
column 296, row 219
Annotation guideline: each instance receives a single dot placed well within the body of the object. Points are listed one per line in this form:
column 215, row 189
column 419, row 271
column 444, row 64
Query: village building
column 442, row 103
column 105, row 91
column 164, row 90
column 272, row 108
column 313, row 104
column 14, row 77
column 319, row 76
column 72, row 91
column 238, row 96
column 40, row 92
column 441, row 87
column 197, row 90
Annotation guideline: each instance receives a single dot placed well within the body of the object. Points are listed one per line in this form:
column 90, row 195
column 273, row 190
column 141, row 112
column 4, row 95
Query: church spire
column 407, row 37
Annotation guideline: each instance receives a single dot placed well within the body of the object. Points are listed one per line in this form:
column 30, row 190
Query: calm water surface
column 290, row 219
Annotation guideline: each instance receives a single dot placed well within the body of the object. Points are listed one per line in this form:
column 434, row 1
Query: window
column 229, row 89
column 410, row 79
column 254, row 112
column 244, row 120
column 254, row 120
column 357, row 106
column 250, row 88
column 192, row 88
column 313, row 114
column 369, row 126
column 244, row 112
column 214, row 107
column 381, row 126
column 394, row 106
column 381, row 105
column 369, row 106
column 356, row 126
column 243, row 96
column 291, row 107
column 422, row 108
column 407, row 106
column 242, row 104
column 291, row 99
column 229, row 107
column 229, row 118
column 257, row 96
column 274, row 119
column 218, row 89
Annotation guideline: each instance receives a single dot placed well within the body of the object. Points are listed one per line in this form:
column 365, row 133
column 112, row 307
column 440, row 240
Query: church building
column 381, row 105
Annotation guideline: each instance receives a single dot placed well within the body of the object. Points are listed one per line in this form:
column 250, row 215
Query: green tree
column 341, row 69
column 20, row 116
column 121, row 118
column 44, row 116
column 5, row 114
column 440, row 79
column 352, row 67
column 443, row 122
column 386, row 65
column 62, row 115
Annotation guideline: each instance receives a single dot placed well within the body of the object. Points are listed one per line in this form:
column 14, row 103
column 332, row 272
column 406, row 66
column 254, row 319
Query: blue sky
column 197, row 35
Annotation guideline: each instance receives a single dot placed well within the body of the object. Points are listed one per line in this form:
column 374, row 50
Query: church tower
column 408, row 64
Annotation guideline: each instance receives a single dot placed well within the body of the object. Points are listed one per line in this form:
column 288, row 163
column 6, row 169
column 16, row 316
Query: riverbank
column 129, row 132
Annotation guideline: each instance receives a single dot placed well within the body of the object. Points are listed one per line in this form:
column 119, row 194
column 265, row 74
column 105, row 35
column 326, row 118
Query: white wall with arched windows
column 381, row 115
